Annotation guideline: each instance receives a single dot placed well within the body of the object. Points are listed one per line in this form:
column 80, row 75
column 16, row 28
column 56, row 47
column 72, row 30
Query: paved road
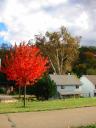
column 49, row 119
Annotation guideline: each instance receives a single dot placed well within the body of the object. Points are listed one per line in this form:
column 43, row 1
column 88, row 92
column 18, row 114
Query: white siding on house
column 87, row 88
column 68, row 89
column 69, row 82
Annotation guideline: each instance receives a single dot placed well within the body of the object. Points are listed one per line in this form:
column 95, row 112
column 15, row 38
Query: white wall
column 87, row 88
column 68, row 88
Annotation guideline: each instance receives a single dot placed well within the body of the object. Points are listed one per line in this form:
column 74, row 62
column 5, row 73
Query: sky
column 20, row 20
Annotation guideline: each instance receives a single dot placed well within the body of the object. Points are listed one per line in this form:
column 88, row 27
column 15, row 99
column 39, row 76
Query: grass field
column 46, row 105
column 89, row 126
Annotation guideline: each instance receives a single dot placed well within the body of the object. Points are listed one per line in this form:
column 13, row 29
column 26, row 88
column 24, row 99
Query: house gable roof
column 65, row 79
column 92, row 78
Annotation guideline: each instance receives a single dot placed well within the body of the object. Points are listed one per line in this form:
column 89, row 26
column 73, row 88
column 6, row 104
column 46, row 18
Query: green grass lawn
column 46, row 105
column 89, row 126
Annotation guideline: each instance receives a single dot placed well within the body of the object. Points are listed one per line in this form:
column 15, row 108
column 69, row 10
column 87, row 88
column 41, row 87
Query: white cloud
column 26, row 18
column 24, row 22
column 4, row 34
column 82, row 21
column 53, row 2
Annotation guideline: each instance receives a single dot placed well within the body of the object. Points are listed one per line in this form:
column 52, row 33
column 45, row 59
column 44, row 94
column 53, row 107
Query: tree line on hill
column 86, row 63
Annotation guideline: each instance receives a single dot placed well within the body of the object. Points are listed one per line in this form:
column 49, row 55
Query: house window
column 94, row 94
column 62, row 87
column 77, row 86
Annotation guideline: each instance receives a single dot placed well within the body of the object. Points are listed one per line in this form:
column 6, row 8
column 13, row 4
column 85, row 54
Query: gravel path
column 49, row 119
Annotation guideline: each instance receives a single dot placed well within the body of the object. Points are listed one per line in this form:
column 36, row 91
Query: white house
column 88, row 85
column 67, row 85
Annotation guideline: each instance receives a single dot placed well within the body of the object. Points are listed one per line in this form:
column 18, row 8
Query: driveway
column 49, row 119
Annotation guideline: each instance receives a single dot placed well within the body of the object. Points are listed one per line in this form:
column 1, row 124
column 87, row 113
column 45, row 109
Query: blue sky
column 20, row 20
column 3, row 27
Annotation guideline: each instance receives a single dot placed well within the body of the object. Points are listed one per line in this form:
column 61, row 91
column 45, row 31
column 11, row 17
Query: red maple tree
column 25, row 64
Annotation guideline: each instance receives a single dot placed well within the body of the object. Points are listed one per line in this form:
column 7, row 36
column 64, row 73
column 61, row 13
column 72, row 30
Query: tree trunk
column 52, row 66
column 58, row 63
column 24, row 95
column 19, row 92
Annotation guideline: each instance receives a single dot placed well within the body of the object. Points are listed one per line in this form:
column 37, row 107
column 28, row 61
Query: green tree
column 91, row 71
column 86, row 64
column 80, row 69
column 61, row 48
column 44, row 89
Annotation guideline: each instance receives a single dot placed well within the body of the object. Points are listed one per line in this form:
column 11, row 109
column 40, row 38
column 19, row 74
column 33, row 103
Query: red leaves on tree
column 25, row 64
